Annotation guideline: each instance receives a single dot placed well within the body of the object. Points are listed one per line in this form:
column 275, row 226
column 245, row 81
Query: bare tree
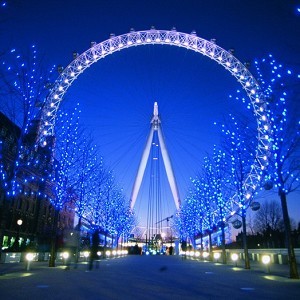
column 268, row 216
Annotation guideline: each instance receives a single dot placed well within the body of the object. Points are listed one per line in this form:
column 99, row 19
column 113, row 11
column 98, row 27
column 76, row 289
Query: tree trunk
column 223, row 243
column 37, row 212
column 3, row 221
column 53, row 240
column 247, row 261
column 287, row 226
column 78, row 232
column 201, row 241
column 210, row 246
column 117, row 240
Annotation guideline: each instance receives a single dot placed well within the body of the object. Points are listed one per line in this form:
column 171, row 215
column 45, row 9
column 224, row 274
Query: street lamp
column 235, row 257
column 29, row 258
column 217, row 256
column 66, row 256
column 205, row 255
column 86, row 254
column 266, row 259
column 19, row 223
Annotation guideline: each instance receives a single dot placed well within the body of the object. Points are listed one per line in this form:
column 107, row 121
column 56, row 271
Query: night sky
column 117, row 93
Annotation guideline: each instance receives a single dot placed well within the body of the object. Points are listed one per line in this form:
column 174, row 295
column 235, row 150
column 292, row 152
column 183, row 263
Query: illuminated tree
column 238, row 145
column 108, row 209
column 188, row 220
column 203, row 195
column 280, row 87
column 216, row 169
column 222, row 183
column 118, row 218
column 123, row 220
column 181, row 222
column 93, row 212
column 64, row 165
column 84, row 179
column 23, row 84
column 99, row 214
column 198, row 212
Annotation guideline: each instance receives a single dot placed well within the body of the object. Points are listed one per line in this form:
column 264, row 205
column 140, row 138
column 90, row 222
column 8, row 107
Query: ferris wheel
column 203, row 47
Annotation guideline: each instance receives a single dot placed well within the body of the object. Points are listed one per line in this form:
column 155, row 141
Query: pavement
column 147, row 277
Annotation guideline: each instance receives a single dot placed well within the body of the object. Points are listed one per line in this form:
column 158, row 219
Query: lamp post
column 29, row 258
column 235, row 257
column 19, row 223
column 266, row 259
column 66, row 256
column 217, row 256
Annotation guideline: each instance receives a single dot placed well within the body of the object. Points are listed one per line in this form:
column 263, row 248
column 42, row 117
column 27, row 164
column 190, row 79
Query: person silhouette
column 94, row 248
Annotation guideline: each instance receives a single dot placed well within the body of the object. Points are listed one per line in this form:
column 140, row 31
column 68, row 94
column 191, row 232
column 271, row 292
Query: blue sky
column 117, row 93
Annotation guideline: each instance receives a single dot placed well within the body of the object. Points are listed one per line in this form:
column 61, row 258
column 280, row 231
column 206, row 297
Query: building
column 216, row 239
column 26, row 218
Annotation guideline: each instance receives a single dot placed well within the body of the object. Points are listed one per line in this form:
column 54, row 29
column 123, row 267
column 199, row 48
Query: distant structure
column 155, row 127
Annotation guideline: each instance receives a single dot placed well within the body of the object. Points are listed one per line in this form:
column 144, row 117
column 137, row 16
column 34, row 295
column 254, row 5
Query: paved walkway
column 147, row 277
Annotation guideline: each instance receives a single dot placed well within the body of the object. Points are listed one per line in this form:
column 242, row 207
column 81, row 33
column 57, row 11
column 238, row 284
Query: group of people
column 169, row 250
column 72, row 246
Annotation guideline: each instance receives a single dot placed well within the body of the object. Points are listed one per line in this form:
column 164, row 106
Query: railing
column 14, row 257
column 278, row 256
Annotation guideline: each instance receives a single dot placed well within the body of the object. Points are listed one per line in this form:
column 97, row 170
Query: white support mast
column 169, row 169
column 166, row 159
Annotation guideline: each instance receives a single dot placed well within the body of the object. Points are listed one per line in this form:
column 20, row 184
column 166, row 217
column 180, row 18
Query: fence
column 278, row 256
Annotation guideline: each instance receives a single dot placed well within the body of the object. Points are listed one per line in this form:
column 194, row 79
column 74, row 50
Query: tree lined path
column 147, row 277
